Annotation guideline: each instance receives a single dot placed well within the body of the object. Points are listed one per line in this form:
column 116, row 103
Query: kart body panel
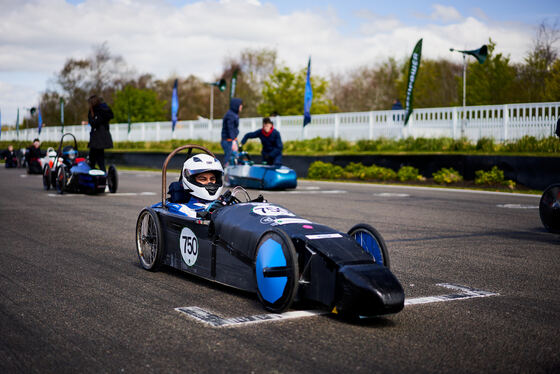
column 85, row 179
column 243, row 172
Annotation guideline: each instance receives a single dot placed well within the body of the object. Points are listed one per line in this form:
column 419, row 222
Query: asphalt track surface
column 73, row 297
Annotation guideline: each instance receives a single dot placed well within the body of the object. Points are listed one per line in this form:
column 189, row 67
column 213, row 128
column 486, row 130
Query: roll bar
column 190, row 147
column 60, row 147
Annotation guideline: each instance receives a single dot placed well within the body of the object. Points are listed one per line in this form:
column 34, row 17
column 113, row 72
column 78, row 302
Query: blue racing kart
column 264, row 248
column 70, row 173
column 245, row 173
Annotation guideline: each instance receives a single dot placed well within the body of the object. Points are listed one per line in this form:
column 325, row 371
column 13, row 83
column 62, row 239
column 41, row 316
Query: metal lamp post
column 480, row 54
column 221, row 84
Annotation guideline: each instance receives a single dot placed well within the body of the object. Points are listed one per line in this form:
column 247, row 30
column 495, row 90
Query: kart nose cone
column 368, row 290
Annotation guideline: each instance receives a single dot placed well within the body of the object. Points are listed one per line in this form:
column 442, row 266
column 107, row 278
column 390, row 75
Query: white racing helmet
column 201, row 163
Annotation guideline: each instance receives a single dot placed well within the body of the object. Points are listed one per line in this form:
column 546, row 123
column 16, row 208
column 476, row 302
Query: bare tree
column 539, row 61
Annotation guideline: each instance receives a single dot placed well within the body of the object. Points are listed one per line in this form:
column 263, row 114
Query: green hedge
column 324, row 146
column 445, row 176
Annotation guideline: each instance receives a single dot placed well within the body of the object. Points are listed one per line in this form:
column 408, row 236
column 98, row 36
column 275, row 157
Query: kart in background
column 243, row 172
column 70, row 173
column 49, row 158
column 264, row 248
column 549, row 208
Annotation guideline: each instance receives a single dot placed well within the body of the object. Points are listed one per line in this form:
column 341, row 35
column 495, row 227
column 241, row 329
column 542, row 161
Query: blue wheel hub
column 369, row 243
column 270, row 270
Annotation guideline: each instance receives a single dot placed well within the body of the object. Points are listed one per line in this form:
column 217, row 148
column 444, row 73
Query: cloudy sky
column 183, row 37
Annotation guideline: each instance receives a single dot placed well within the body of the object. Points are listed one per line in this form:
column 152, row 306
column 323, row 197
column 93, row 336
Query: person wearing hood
column 99, row 115
column 271, row 143
column 230, row 128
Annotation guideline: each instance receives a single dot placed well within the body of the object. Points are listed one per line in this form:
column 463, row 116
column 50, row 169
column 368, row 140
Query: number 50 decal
column 188, row 244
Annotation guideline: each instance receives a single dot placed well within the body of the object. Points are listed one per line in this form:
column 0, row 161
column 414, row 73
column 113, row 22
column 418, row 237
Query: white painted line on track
column 466, row 293
column 107, row 194
column 391, row 194
column 213, row 320
column 421, row 188
column 517, row 206
column 299, row 192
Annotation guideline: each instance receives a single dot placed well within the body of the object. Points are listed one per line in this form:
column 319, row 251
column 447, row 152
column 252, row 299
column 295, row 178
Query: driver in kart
column 69, row 155
column 199, row 185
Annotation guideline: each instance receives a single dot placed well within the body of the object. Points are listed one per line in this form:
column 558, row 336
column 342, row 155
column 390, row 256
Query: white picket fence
column 500, row 122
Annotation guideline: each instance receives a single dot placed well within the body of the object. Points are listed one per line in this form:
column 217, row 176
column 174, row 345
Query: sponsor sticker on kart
column 271, row 211
column 323, row 236
column 188, row 245
column 282, row 221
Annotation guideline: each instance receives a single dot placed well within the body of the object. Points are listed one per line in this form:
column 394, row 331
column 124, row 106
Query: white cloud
column 445, row 13
column 36, row 38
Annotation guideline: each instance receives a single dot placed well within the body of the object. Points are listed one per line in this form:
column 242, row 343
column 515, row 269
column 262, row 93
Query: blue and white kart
column 264, row 248
column 245, row 173
column 71, row 173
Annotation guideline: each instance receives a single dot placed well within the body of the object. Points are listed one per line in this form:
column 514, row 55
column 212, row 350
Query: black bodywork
column 258, row 247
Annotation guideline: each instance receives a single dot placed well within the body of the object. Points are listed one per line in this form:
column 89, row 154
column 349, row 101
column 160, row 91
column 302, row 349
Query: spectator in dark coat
column 396, row 105
column 10, row 156
column 230, row 128
column 558, row 128
column 271, row 142
column 100, row 138
column 33, row 156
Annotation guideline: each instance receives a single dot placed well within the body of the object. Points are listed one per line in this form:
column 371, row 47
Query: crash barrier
column 500, row 122
column 533, row 172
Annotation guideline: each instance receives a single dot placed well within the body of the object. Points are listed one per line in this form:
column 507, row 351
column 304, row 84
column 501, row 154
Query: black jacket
column 33, row 153
column 100, row 136
column 230, row 123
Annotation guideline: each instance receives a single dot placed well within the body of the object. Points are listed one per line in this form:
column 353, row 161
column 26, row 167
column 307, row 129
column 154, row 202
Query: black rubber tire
column 47, row 180
column 549, row 208
column 53, row 178
column 149, row 236
column 112, row 179
column 61, row 179
column 367, row 229
column 290, row 271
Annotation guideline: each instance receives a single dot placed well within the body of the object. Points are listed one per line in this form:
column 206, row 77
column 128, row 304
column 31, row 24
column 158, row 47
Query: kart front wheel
column 149, row 245
column 276, row 271
column 112, row 179
column 372, row 242
column 549, row 208
column 47, row 177
column 61, row 179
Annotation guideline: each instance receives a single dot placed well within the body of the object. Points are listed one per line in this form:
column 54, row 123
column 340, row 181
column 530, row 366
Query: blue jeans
column 227, row 151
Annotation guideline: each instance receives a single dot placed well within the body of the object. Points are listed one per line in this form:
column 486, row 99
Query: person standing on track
column 100, row 138
column 230, row 128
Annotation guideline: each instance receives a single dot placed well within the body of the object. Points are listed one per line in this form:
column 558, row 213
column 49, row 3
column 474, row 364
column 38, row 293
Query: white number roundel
column 271, row 210
column 188, row 244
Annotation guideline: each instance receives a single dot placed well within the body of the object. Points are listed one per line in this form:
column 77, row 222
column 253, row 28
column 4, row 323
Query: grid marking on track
column 213, row 320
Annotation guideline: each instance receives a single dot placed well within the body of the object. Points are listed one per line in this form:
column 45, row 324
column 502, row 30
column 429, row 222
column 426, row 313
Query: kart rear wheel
column 112, row 179
column 47, row 177
column 149, row 245
column 276, row 271
column 61, row 179
column 372, row 242
column 549, row 208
